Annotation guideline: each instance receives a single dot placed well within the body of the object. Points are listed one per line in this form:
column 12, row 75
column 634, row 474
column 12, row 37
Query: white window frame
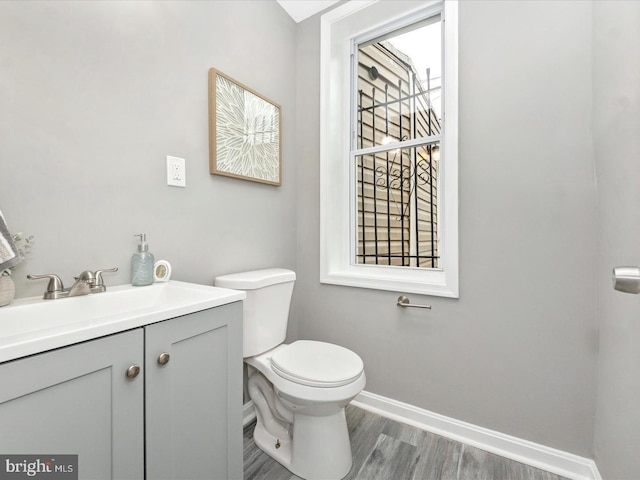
column 339, row 28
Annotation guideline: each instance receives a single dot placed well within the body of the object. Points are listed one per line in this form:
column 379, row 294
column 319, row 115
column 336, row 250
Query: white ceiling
column 301, row 9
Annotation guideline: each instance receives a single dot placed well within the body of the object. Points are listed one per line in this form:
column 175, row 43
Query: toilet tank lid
column 255, row 279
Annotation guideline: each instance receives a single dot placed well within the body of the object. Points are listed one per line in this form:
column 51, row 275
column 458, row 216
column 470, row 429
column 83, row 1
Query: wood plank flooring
column 387, row 450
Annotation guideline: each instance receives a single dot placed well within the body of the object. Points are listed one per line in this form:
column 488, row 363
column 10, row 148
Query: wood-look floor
column 387, row 450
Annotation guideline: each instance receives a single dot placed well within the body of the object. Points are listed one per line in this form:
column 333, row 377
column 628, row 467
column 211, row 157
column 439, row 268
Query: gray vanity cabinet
column 194, row 400
column 78, row 400
column 182, row 414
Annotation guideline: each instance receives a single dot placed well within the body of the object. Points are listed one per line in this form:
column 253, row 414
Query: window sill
column 395, row 279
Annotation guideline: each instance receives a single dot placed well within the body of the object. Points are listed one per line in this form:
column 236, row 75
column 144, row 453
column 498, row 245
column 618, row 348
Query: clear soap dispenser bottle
column 142, row 263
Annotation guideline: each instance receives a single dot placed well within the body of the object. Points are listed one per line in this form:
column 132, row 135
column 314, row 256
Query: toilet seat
column 317, row 364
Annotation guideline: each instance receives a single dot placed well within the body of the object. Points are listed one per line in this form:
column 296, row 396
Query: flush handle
column 163, row 358
column 133, row 371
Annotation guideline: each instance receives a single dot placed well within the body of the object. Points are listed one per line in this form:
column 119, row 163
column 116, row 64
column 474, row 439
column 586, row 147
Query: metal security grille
column 397, row 188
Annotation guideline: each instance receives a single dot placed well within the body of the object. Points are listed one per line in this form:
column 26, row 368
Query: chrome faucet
column 85, row 283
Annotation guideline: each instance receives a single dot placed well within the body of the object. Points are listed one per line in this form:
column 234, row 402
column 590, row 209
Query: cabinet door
column 194, row 401
column 78, row 400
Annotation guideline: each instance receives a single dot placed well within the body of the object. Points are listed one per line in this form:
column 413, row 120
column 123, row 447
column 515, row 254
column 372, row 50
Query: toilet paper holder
column 626, row 279
column 403, row 301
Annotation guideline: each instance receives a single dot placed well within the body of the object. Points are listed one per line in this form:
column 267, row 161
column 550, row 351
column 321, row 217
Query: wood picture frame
column 244, row 132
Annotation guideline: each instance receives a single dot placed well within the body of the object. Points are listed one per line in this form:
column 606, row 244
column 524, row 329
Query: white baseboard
column 248, row 413
column 539, row 456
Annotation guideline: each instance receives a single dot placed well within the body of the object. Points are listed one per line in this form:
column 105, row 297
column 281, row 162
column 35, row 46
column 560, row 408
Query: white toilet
column 299, row 390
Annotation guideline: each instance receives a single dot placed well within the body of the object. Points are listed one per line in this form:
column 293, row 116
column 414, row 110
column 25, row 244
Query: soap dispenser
column 142, row 263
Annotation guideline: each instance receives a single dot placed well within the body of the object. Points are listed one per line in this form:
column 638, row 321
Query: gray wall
column 616, row 83
column 517, row 352
column 96, row 94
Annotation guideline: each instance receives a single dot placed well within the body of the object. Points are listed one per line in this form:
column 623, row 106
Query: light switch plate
column 176, row 172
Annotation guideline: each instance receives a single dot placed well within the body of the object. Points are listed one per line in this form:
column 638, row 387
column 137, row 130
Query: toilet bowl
column 299, row 390
column 308, row 408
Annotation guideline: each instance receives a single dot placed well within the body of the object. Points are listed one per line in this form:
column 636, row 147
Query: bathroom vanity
column 139, row 382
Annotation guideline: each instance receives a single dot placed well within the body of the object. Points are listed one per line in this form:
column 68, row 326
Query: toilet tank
column 266, row 308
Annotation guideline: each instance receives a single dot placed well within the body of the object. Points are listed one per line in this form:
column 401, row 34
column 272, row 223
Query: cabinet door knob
column 163, row 358
column 133, row 371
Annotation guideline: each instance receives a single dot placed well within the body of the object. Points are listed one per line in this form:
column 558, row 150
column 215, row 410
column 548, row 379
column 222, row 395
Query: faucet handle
column 54, row 287
column 99, row 280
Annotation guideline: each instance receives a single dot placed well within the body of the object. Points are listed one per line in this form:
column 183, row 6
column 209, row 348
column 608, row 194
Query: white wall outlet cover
column 176, row 171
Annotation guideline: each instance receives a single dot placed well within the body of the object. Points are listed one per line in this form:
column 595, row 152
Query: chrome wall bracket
column 626, row 279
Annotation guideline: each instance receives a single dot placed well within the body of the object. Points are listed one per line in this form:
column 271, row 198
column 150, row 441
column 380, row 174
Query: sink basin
column 33, row 325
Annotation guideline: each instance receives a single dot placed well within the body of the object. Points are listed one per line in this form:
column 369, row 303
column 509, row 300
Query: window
column 396, row 131
column 389, row 147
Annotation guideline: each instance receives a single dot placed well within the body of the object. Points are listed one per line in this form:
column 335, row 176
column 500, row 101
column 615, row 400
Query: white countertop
column 33, row 325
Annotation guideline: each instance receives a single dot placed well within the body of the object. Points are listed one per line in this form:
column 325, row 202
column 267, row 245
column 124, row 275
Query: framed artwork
column 244, row 132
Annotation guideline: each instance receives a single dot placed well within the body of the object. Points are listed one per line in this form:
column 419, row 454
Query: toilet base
column 320, row 449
